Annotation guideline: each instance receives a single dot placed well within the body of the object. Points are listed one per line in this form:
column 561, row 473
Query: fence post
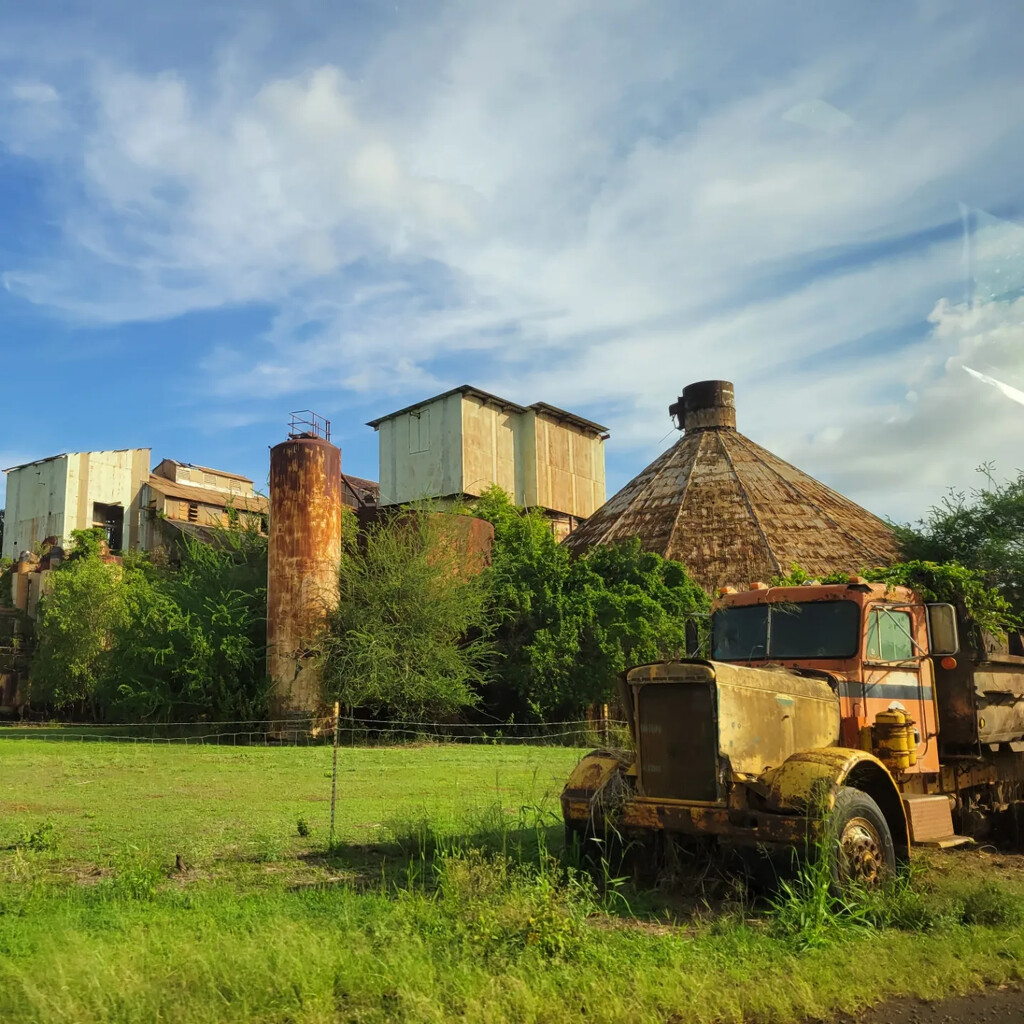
column 334, row 769
column 604, row 725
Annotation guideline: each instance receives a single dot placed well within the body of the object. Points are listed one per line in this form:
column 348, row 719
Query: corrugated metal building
column 75, row 491
column 463, row 441
column 733, row 512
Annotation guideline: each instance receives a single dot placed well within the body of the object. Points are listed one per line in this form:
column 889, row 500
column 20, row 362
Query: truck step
column 946, row 843
column 930, row 819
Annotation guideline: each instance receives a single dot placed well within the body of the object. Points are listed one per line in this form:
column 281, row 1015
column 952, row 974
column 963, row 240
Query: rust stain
column 304, row 549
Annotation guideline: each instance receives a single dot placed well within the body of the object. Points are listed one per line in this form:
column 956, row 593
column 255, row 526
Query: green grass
column 210, row 802
column 443, row 899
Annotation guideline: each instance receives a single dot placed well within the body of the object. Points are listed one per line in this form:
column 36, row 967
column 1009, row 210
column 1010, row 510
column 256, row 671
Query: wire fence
column 319, row 731
column 382, row 778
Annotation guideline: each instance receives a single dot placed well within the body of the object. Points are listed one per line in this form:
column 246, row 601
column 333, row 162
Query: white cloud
column 34, row 92
column 901, row 457
column 570, row 202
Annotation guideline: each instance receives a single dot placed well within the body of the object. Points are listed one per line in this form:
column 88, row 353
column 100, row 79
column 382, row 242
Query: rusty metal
column 981, row 701
column 468, row 541
column 750, row 827
column 675, row 762
column 733, row 512
column 208, row 495
column 358, row 493
column 706, row 404
column 306, row 423
column 600, row 792
column 760, row 716
column 303, row 555
column 755, row 752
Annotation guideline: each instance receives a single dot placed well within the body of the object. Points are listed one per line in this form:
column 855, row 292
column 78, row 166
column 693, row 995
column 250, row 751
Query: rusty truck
column 855, row 711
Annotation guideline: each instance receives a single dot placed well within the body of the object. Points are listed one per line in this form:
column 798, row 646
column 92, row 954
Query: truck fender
column 596, row 787
column 807, row 783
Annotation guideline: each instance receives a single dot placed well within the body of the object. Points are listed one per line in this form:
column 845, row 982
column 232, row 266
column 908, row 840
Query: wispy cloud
column 583, row 203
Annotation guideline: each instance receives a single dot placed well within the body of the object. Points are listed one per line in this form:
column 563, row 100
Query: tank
column 302, row 580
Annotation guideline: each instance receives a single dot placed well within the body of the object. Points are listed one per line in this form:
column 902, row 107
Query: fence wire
column 351, row 731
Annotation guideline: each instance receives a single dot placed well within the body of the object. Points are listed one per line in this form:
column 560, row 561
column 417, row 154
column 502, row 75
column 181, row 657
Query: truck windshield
column 819, row 629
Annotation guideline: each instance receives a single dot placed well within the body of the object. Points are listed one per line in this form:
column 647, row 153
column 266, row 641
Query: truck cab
column 815, row 713
column 879, row 644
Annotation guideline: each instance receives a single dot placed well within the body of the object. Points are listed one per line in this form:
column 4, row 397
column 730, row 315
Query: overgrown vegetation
column 133, row 640
column 410, row 634
column 982, row 529
column 566, row 627
column 982, row 608
column 417, row 633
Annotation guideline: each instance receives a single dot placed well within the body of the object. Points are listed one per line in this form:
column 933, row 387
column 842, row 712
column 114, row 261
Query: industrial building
column 76, row 491
column 181, row 498
column 138, row 509
column 459, row 443
column 731, row 511
column 116, row 491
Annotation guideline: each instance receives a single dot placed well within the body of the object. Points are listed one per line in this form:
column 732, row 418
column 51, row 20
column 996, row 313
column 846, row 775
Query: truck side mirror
column 943, row 638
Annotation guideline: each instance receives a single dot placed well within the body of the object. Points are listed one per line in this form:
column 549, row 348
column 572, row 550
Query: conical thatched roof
column 731, row 511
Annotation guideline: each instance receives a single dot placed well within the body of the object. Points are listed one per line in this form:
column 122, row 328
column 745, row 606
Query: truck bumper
column 740, row 826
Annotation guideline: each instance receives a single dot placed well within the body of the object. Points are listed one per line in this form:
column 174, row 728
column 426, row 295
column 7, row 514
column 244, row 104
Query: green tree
column 982, row 530
column 410, row 634
column 193, row 639
column 79, row 620
column 135, row 641
column 566, row 627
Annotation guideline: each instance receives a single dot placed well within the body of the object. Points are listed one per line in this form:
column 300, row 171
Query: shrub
column 992, row 904
column 41, row 838
column 566, row 627
column 410, row 634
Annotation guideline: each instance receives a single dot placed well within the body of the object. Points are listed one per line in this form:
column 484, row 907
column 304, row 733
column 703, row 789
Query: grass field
column 443, row 899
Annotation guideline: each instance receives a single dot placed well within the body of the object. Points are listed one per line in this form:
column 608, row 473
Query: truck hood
column 751, row 718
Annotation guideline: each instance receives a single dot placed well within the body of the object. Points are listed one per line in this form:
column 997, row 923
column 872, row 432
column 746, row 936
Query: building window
column 193, row 512
column 419, row 431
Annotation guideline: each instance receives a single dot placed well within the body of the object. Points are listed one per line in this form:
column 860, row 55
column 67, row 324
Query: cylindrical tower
column 706, row 405
column 304, row 549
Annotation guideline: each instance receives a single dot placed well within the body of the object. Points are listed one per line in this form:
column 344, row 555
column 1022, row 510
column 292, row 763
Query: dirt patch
column 13, row 808
column 604, row 923
column 1003, row 1005
column 982, row 861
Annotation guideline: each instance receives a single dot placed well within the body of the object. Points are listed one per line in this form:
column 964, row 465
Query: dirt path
column 998, row 1006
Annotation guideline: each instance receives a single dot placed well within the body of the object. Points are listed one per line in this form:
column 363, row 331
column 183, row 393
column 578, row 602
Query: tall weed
column 137, row 874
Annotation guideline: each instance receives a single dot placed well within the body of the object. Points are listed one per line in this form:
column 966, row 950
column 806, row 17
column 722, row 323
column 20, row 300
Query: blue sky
column 212, row 214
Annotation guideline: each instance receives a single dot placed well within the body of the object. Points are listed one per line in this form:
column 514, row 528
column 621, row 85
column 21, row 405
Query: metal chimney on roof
column 705, row 405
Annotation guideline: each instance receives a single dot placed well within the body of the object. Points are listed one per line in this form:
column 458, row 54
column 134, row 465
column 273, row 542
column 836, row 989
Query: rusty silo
column 304, row 549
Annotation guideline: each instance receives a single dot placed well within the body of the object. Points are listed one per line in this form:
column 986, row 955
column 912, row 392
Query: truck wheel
column 861, row 847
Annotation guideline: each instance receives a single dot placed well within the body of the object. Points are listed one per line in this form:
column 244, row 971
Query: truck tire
column 859, row 842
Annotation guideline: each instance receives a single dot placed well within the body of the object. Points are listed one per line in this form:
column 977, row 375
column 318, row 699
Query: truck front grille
column 678, row 736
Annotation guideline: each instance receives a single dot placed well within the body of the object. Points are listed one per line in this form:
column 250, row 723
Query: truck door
column 896, row 669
